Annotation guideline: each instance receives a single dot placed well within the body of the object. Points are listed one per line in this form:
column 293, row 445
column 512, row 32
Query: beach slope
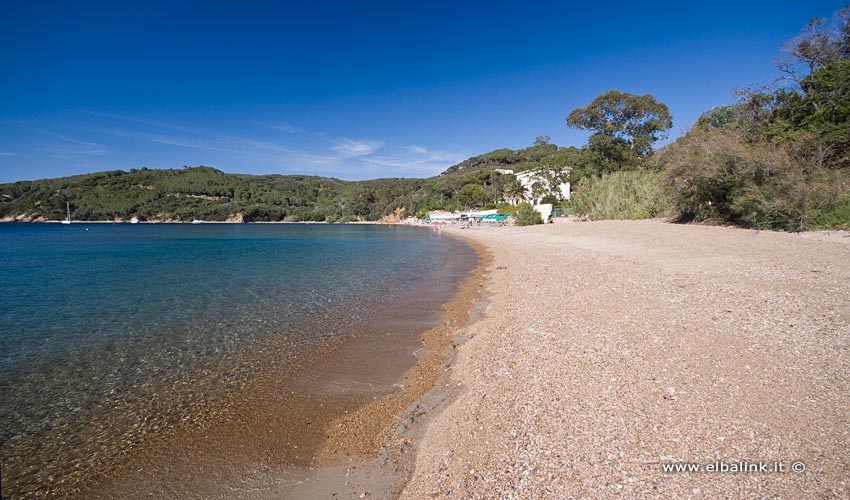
column 608, row 351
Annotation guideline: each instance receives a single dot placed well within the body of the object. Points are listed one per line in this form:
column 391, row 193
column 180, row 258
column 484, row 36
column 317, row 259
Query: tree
column 625, row 126
column 538, row 190
column 814, row 47
column 812, row 117
column 721, row 116
column 777, row 159
column 497, row 186
column 824, row 113
column 844, row 42
column 361, row 202
column 548, row 182
column 527, row 216
column 515, row 191
column 471, row 195
column 541, row 140
column 821, row 43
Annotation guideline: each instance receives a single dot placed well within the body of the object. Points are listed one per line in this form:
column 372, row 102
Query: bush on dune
column 629, row 194
column 526, row 216
column 720, row 176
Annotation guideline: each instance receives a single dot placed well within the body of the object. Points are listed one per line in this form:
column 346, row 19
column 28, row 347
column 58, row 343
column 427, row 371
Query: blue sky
column 354, row 90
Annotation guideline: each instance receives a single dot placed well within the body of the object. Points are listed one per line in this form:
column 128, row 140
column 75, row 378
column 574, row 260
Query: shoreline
column 371, row 452
column 146, row 222
column 165, row 221
column 575, row 359
column 608, row 349
column 337, row 387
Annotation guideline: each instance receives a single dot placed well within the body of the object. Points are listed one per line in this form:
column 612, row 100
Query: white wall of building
column 529, row 177
column 544, row 209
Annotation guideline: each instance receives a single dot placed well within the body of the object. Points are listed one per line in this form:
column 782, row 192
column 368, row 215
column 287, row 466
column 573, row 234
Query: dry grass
column 622, row 195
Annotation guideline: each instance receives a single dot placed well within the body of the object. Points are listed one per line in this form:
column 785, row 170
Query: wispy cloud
column 72, row 152
column 60, row 149
column 43, row 131
column 418, row 160
column 348, row 148
column 267, row 151
column 71, row 140
column 76, row 147
column 288, row 128
column 299, row 151
column 437, row 155
column 171, row 134
column 143, row 121
column 176, row 141
column 6, row 153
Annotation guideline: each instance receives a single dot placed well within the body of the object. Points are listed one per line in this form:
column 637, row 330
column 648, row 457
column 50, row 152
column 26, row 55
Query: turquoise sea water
column 108, row 331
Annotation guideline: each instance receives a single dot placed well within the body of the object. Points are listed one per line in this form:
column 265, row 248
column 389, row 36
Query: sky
column 354, row 90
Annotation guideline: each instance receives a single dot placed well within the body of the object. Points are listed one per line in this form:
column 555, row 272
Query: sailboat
column 67, row 219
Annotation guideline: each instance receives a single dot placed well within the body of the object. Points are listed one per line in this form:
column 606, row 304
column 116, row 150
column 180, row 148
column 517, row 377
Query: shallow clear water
column 108, row 332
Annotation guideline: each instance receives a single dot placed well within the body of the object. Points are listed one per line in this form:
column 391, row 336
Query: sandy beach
column 578, row 360
column 607, row 351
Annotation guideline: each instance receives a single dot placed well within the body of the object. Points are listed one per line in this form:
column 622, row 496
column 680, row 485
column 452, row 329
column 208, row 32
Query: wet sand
column 576, row 361
column 326, row 428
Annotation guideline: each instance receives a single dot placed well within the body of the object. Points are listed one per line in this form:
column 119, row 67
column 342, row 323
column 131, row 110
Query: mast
column 68, row 211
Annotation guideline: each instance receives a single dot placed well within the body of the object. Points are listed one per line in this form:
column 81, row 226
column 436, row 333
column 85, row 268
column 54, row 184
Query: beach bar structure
column 489, row 217
column 444, row 216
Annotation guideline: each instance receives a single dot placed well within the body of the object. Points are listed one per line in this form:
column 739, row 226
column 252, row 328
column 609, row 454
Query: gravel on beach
column 609, row 350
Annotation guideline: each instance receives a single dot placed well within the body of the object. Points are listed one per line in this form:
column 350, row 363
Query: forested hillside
column 542, row 154
column 209, row 194
column 778, row 158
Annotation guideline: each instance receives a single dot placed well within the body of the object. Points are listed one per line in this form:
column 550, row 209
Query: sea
column 113, row 333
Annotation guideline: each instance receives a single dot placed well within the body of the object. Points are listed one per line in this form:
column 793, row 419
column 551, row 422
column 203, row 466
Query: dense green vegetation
column 627, row 194
column 779, row 158
column 614, row 176
column 209, row 194
column 542, row 154
column 525, row 215
column 625, row 126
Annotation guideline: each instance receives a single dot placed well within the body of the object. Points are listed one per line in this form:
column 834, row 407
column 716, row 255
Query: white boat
column 67, row 219
column 134, row 220
column 197, row 221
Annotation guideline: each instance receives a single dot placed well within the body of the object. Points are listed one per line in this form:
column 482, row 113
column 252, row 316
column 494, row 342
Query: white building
column 530, row 177
column 443, row 216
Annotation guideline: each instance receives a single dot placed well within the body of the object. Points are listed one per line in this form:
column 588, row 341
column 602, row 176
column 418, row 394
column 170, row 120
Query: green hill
column 210, row 194
column 541, row 155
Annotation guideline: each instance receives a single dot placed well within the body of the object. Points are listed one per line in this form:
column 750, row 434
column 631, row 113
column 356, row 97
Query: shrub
column 526, row 216
column 507, row 208
column 718, row 176
column 835, row 216
column 633, row 194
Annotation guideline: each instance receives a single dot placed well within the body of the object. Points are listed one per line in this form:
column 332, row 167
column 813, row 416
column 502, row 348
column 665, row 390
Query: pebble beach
column 614, row 359
column 606, row 351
